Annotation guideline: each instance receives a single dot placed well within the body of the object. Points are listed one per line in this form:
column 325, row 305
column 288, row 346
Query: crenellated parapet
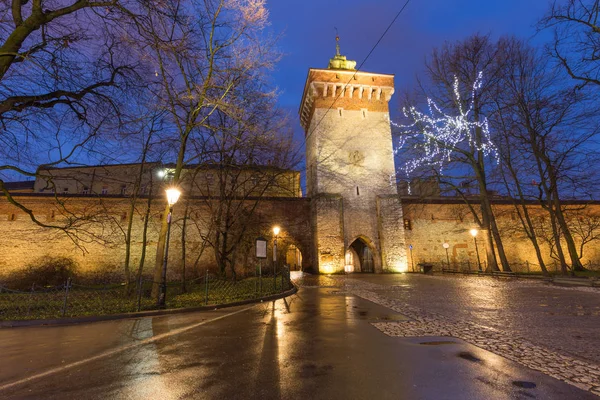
column 346, row 90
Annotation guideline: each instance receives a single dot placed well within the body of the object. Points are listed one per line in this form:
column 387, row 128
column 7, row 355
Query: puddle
column 392, row 317
column 524, row 384
column 438, row 343
column 468, row 356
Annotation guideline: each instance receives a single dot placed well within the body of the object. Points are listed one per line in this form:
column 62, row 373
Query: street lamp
column 172, row 197
column 474, row 233
column 276, row 231
column 446, row 246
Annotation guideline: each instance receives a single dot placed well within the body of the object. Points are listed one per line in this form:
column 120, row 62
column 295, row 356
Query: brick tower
column 356, row 214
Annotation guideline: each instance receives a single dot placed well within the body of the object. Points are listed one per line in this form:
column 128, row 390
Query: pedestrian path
column 581, row 373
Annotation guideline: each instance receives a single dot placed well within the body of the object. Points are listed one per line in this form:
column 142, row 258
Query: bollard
column 68, row 283
column 260, row 278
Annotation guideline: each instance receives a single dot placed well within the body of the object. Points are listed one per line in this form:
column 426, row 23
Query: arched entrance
column 359, row 255
column 293, row 258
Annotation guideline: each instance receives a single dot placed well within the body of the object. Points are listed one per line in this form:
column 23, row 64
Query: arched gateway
column 360, row 257
column 350, row 169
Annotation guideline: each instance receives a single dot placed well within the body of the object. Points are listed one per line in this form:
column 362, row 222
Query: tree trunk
column 145, row 236
column 160, row 253
column 183, row 245
column 556, row 235
column 571, row 247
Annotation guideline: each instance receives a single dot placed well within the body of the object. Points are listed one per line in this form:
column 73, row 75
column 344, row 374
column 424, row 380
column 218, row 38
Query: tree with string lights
column 451, row 139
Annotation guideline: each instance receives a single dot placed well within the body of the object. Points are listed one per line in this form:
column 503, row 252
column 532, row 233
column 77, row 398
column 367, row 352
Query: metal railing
column 72, row 300
column 522, row 267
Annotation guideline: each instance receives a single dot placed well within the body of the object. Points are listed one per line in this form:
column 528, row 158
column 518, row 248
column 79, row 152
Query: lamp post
column 276, row 231
column 474, row 233
column 172, row 197
column 446, row 246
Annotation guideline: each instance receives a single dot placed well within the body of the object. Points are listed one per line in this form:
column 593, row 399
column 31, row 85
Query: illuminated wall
column 349, row 158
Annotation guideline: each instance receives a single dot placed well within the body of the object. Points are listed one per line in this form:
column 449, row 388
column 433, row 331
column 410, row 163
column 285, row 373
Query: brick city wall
column 99, row 226
column 100, row 249
column 429, row 225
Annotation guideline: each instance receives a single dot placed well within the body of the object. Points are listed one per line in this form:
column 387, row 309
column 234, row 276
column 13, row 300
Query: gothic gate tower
column 356, row 215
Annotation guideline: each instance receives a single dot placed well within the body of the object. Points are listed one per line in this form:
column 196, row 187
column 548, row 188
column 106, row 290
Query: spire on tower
column 339, row 61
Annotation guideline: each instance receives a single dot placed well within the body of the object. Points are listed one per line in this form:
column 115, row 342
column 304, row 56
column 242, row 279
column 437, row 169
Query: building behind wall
column 151, row 178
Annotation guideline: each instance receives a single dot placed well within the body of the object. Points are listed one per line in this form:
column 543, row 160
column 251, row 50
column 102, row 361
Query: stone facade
column 350, row 166
column 430, row 223
column 196, row 180
column 97, row 240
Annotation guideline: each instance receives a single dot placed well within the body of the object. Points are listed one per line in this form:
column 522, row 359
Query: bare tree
column 250, row 156
column 459, row 101
column 547, row 130
column 576, row 43
column 201, row 50
column 64, row 76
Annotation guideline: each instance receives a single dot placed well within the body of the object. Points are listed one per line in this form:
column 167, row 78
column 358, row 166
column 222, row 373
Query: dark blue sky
column 309, row 36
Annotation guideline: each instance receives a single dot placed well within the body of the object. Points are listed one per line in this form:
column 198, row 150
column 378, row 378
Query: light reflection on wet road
column 318, row 344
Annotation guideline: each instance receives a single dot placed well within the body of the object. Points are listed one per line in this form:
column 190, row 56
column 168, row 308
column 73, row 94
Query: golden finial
column 339, row 61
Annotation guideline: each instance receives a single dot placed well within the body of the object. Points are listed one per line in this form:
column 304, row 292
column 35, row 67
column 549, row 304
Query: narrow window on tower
column 357, row 191
column 363, row 113
column 340, row 111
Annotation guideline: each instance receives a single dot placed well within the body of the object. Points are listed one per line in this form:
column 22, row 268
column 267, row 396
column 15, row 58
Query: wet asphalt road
column 317, row 344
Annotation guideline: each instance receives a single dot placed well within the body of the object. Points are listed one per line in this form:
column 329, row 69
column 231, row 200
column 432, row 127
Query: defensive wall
column 428, row 224
column 98, row 226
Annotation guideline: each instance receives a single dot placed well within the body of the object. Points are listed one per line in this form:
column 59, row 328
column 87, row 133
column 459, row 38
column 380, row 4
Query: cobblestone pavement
column 549, row 329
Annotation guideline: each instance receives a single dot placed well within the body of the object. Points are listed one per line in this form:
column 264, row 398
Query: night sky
column 309, row 36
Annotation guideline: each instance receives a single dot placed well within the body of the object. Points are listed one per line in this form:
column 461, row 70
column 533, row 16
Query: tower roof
column 339, row 61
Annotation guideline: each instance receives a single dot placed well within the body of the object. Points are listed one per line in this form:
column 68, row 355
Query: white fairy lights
column 441, row 136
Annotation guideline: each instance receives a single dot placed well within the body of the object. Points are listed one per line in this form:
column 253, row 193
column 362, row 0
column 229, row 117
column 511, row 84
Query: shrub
column 45, row 271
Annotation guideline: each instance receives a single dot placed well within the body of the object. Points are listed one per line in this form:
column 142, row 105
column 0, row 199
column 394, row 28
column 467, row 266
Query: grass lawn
column 87, row 301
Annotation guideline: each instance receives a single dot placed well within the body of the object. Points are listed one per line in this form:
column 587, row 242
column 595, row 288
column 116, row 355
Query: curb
column 556, row 281
column 140, row 314
column 575, row 282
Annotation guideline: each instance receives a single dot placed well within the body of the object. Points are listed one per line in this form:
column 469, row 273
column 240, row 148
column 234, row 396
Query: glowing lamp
column 473, row 232
column 276, row 230
column 172, row 196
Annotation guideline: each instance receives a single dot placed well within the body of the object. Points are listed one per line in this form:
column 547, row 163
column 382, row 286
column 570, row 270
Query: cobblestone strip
column 582, row 374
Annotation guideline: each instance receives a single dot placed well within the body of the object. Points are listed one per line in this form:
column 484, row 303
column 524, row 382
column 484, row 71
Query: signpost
column 261, row 248
column 261, row 254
